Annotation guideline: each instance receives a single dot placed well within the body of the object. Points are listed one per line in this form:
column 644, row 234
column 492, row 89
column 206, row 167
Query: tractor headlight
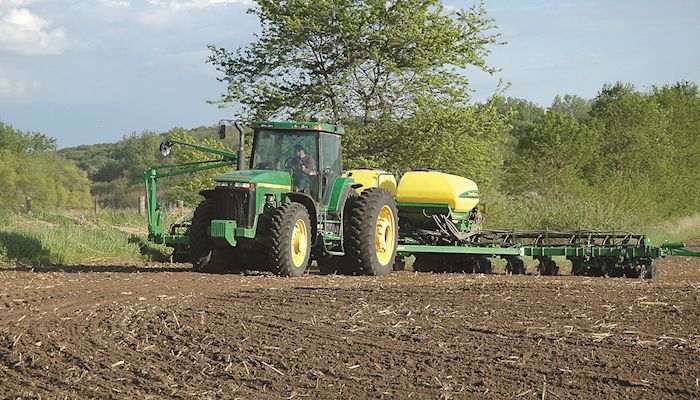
column 246, row 185
column 243, row 185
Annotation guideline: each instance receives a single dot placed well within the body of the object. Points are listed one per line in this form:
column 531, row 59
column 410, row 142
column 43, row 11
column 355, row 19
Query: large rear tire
column 374, row 231
column 290, row 240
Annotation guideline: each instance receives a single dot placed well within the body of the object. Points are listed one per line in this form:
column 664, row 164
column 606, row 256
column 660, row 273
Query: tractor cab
column 309, row 152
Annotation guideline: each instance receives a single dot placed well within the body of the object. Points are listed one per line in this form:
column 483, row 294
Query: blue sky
column 89, row 71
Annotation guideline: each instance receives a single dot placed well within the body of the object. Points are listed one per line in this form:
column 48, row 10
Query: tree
column 31, row 167
column 573, row 106
column 339, row 60
column 553, row 157
column 681, row 103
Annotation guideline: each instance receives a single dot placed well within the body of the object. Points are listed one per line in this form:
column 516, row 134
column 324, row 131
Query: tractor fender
column 306, row 200
column 206, row 193
column 348, row 191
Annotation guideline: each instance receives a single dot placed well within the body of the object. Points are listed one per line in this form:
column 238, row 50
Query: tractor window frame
column 324, row 138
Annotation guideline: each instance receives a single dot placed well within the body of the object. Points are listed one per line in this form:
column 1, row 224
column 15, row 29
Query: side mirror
column 222, row 131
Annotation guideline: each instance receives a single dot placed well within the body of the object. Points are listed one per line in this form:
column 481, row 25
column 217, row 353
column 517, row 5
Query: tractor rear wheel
column 202, row 248
column 373, row 232
column 290, row 240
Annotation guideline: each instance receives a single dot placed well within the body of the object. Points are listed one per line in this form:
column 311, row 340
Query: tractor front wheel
column 202, row 249
column 374, row 231
column 290, row 240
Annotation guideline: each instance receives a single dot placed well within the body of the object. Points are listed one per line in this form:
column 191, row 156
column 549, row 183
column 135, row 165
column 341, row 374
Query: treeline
column 30, row 167
column 623, row 159
column 116, row 169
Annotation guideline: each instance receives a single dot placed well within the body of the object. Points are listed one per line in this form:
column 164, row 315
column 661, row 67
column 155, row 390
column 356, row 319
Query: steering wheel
column 293, row 163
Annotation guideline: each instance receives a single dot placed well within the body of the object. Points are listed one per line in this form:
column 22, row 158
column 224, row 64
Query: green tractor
column 293, row 204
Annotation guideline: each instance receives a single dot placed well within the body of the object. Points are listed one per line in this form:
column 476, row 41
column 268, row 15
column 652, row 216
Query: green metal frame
column 678, row 249
column 156, row 230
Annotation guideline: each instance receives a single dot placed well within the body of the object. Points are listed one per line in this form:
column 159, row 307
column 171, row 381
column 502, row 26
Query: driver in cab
column 307, row 168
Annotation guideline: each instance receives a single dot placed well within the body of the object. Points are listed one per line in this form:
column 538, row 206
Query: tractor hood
column 261, row 178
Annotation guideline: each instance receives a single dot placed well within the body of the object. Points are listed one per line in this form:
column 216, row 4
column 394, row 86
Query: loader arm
column 156, row 231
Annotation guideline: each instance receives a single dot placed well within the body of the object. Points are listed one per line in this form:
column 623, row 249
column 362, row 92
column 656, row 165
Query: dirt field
column 164, row 332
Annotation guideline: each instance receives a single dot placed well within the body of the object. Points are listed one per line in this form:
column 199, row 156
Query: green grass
column 682, row 229
column 115, row 237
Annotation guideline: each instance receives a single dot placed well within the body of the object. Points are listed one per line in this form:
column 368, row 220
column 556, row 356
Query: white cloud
column 23, row 32
column 15, row 3
column 14, row 88
column 116, row 3
column 179, row 4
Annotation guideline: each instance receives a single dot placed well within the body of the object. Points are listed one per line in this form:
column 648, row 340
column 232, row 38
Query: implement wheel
column 400, row 263
column 547, row 266
column 647, row 270
column 483, row 265
column 422, row 263
column 290, row 240
column 374, row 231
column 515, row 266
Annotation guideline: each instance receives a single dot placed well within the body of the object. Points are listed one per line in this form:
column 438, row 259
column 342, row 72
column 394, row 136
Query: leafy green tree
column 187, row 188
column 392, row 71
column 573, row 106
column 681, row 103
column 340, row 60
column 31, row 167
column 462, row 140
column 553, row 157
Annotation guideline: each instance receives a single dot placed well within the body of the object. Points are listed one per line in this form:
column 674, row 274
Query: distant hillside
column 116, row 169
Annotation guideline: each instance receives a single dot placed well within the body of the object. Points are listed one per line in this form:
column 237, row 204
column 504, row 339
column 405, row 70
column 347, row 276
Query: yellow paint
column 434, row 187
column 273, row 186
column 385, row 235
column 299, row 242
column 372, row 178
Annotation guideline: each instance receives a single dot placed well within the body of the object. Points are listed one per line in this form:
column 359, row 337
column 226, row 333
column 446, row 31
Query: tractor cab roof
column 293, row 125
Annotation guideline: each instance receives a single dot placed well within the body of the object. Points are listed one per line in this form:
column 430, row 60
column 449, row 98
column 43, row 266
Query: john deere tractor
column 292, row 204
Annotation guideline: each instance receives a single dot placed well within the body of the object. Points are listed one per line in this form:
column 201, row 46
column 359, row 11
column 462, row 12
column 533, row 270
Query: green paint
column 339, row 186
column 305, row 126
column 266, row 176
column 470, row 194
column 223, row 229
column 422, row 205
column 495, row 251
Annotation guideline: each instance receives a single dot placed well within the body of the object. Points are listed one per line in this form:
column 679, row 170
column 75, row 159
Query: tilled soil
column 164, row 332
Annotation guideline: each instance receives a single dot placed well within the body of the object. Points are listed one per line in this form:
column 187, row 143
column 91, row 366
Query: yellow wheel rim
column 299, row 243
column 385, row 235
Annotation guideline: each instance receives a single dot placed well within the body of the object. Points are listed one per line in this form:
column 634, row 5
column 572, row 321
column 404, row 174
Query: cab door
column 330, row 164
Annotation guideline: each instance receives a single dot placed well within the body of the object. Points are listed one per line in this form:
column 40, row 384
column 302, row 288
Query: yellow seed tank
column 432, row 187
column 373, row 177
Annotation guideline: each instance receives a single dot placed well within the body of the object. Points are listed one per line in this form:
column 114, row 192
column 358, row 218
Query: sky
column 92, row 71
